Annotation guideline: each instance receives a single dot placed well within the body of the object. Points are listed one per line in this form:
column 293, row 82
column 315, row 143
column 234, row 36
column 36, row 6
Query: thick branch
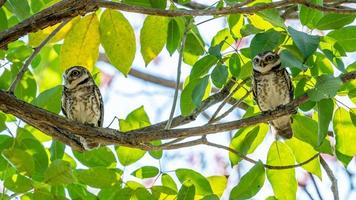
column 51, row 123
column 71, row 8
column 57, row 13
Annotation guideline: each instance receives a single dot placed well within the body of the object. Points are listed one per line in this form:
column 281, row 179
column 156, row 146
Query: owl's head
column 77, row 75
column 264, row 62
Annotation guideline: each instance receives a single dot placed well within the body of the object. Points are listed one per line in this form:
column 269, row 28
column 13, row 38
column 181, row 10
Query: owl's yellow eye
column 75, row 73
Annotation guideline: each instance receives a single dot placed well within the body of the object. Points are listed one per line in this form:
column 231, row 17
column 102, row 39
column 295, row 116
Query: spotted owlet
column 81, row 100
column 272, row 87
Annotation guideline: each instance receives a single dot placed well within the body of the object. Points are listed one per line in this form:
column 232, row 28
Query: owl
column 81, row 100
column 272, row 88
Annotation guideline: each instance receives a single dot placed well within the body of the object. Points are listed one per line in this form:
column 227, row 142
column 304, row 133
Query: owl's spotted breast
column 84, row 105
column 272, row 89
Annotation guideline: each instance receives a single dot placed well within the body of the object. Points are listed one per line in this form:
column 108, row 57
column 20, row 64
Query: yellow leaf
column 118, row 40
column 302, row 152
column 218, row 184
column 283, row 182
column 36, row 38
column 153, row 37
column 81, row 45
column 345, row 132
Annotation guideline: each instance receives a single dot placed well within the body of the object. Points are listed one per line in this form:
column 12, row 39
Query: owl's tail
column 285, row 133
column 282, row 126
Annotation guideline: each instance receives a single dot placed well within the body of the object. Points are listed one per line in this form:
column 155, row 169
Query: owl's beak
column 263, row 64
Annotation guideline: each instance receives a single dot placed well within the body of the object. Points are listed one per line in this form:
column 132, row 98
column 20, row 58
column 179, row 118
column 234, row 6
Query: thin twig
column 332, row 178
column 232, row 108
column 315, row 185
column 254, row 161
column 33, row 55
column 226, row 100
column 180, row 59
column 307, row 192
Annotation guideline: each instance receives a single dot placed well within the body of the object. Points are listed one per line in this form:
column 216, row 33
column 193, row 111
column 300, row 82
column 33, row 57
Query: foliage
column 32, row 169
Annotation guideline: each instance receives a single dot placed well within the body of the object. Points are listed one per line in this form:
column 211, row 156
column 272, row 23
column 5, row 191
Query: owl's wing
column 64, row 101
column 289, row 83
column 101, row 105
column 254, row 88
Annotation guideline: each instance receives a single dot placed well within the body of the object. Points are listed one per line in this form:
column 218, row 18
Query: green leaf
column 344, row 159
column 334, row 21
column 307, row 44
column 50, row 99
column 78, row 191
column 5, row 143
column 310, row 17
column 223, row 37
column 20, row 8
column 138, row 118
column 194, row 48
column 202, row 66
column 2, row 122
column 128, row 155
column 283, row 182
column 186, row 192
column 246, row 141
column 250, row 183
column 345, row 37
column 114, row 193
column 81, row 44
column 153, row 38
column 326, row 87
column 27, row 88
column 3, row 21
column 344, row 131
column 186, row 102
column 118, row 40
column 18, row 183
column 102, row 156
column 157, row 154
column 305, row 129
column 219, row 75
column 303, row 152
column 325, row 113
column 36, row 150
column 235, row 22
column 145, row 172
column 20, row 159
column 58, row 173
column 272, row 16
column 200, row 182
column 218, row 184
column 168, row 181
column 57, row 150
column 158, row 190
column 266, row 41
column 234, row 65
column 174, row 36
column 199, row 91
column 249, row 29
column 289, row 60
column 98, row 177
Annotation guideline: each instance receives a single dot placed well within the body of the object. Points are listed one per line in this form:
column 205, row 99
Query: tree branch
column 50, row 123
column 33, row 55
column 71, row 8
column 179, row 69
column 332, row 178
